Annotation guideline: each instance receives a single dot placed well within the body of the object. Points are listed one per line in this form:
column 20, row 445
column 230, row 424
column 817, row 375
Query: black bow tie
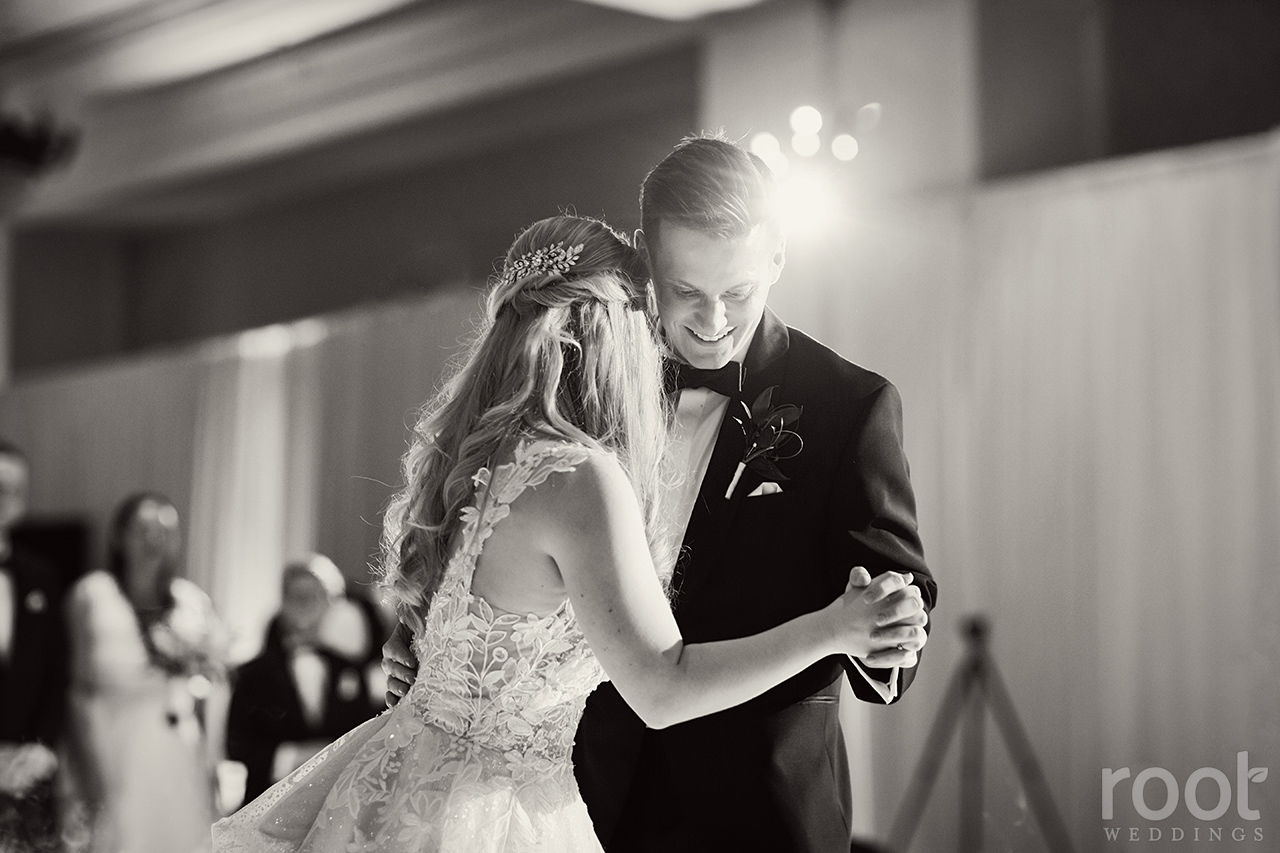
column 725, row 380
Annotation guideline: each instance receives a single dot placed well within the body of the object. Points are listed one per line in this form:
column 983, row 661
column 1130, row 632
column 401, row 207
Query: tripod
column 976, row 684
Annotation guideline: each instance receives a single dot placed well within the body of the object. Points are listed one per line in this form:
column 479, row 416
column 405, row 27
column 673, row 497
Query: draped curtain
column 299, row 431
column 253, row 502
column 1090, row 364
column 273, row 443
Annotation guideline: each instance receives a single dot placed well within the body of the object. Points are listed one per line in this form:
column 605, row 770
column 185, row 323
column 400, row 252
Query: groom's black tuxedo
column 770, row 774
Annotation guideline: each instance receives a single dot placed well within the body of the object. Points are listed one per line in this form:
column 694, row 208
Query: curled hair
column 560, row 354
column 712, row 185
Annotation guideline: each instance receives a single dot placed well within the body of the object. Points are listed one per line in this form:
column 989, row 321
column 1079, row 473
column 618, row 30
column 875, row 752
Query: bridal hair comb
column 548, row 260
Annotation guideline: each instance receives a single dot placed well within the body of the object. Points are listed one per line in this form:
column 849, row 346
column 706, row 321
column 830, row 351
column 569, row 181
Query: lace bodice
column 512, row 683
column 477, row 756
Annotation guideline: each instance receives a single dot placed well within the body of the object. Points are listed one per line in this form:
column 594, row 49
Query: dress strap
column 531, row 465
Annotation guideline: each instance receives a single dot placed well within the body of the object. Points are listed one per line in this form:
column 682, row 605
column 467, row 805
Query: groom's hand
column 900, row 617
column 399, row 664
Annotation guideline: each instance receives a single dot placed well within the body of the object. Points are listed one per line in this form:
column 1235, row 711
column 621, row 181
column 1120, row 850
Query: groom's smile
column 711, row 291
column 711, row 339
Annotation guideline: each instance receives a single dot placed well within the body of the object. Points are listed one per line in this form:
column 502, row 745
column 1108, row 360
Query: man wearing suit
column 33, row 674
column 770, row 774
column 764, row 541
column 301, row 693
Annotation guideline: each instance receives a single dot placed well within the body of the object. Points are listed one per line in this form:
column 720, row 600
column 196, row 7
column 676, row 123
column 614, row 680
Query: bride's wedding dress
column 476, row 757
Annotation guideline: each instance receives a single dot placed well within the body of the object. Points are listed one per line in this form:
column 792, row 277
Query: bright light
column 845, row 147
column 765, row 145
column 778, row 164
column 806, row 120
column 808, row 203
column 806, row 144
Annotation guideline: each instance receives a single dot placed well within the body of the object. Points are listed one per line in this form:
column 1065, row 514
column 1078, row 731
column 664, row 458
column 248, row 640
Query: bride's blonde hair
column 564, row 351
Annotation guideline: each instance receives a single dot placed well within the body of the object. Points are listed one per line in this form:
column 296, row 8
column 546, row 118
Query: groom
column 764, row 541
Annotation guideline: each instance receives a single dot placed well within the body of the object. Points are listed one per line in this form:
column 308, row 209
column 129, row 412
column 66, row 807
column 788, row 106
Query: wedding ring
column 901, row 647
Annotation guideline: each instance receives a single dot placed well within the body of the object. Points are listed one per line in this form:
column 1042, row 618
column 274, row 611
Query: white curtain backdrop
column 299, row 432
column 1090, row 363
column 253, row 497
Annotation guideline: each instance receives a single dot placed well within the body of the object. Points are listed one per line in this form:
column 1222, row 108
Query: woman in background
column 148, row 667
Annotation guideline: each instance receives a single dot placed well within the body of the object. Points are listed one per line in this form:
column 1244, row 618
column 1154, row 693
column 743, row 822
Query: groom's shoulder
column 817, row 368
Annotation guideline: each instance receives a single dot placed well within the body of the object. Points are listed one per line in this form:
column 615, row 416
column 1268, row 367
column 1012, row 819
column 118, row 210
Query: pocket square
column 765, row 489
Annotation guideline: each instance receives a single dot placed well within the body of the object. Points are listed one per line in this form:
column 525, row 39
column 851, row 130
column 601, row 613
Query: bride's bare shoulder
column 595, row 492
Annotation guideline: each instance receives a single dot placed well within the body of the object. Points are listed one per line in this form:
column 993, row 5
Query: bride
column 526, row 555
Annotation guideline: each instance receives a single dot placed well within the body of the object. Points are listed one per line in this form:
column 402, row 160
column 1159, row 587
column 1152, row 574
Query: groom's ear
column 643, row 248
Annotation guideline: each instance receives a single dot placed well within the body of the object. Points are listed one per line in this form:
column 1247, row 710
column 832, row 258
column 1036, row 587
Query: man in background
column 33, row 673
column 309, row 685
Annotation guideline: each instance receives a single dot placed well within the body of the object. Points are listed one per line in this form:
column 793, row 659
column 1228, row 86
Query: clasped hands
column 883, row 620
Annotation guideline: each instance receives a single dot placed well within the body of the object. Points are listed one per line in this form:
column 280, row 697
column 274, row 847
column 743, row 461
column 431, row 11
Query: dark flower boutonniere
column 769, row 438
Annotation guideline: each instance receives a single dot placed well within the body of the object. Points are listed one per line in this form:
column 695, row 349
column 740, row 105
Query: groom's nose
column 712, row 316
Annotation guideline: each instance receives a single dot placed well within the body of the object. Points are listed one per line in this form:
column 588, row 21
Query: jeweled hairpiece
column 546, row 260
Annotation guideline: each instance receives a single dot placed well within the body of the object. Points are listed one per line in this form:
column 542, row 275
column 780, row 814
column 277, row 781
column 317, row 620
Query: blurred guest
column 148, row 690
column 308, row 686
column 33, row 674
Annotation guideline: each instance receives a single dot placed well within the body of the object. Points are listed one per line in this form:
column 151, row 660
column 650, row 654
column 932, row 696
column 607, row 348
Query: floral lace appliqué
column 513, row 683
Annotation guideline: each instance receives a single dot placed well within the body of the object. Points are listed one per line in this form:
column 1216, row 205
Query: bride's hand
column 880, row 621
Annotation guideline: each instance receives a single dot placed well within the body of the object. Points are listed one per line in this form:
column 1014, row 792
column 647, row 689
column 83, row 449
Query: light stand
column 977, row 685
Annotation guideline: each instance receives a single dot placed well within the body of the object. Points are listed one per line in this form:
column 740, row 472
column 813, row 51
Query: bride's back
column 513, row 572
column 485, row 667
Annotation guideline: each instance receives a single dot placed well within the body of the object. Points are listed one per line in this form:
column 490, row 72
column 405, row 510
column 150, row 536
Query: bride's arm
column 591, row 526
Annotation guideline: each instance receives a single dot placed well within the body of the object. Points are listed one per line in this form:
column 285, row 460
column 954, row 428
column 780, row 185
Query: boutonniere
column 769, row 438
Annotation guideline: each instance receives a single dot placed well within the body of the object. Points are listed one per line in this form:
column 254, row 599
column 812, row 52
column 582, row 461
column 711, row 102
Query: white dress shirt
column 8, row 615
column 699, row 412
column 310, row 675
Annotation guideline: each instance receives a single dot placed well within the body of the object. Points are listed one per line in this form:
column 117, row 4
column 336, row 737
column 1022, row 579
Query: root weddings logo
column 1206, row 797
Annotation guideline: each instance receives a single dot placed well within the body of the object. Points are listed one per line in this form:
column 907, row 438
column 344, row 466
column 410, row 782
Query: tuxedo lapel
column 713, row 513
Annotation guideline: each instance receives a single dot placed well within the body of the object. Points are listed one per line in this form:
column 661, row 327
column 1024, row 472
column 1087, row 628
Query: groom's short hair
column 710, row 184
